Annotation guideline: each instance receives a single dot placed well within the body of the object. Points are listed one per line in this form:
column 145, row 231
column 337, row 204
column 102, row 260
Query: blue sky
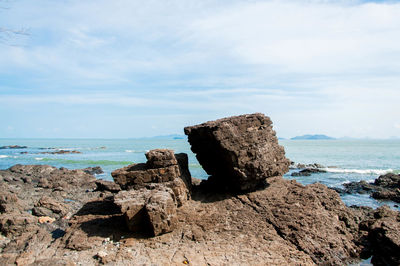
column 121, row 69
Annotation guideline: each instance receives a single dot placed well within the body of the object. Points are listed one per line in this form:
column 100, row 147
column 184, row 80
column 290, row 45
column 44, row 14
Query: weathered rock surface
column 162, row 184
column 152, row 210
column 104, row 185
column 284, row 224
column 384, row 236
column 385, row 187
column 240, row 152
column 162, row 166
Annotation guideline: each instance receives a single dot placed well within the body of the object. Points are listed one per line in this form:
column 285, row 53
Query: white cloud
column 311, row 65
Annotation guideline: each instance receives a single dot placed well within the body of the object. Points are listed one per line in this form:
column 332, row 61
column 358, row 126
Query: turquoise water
column 354, row 160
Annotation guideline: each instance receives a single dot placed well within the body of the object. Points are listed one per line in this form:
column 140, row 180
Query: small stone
column 46, row 220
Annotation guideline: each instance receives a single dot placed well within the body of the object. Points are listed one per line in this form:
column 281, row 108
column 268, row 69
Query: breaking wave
column 360, row 171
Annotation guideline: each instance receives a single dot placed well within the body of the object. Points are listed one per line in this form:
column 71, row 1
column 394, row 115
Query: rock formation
column 60, row 152
column 148, row 209
column 160, row 185
column 385, row 187
column 308, row 172
column 240, row 152
column 13, row 147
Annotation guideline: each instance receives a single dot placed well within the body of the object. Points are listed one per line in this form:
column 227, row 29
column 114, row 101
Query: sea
column 345, row 160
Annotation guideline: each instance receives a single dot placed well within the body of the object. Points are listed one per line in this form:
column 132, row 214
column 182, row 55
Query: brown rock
column 8, row 201
column 161, row 210
column 51, row 204
column 40, row 211
column 16, row 223
column 104, row 185
column 160, row 158
column 138, row 174
column 148, row 209
column 240, row 152
column 162, row 167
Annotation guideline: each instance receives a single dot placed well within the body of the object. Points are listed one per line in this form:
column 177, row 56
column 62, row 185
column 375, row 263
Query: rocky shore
column 385, row 187
column 156, row 213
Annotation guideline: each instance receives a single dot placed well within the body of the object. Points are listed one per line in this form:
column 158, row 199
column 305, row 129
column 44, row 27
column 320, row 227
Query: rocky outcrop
column 294, row 165
column 383, row 233
column 157, row 188
column 13, row 147
column 385, row 187
column 238, row 152
column 96, row 170
column 162, row 166
column 308, row 172
column 60, row 152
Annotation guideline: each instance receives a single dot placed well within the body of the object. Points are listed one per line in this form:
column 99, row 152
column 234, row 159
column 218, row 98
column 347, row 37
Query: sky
column 129, row 68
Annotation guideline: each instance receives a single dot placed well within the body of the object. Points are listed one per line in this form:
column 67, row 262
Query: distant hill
column 312, row 137
column 172, row 136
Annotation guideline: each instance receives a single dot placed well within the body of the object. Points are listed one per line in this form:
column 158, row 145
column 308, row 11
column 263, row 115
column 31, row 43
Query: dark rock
column 389, row 180
column 104, row 185
column 308, row 172
column 41, row 211
column 13, row 147
column 384, row 236
column 60, row 152
column 240, row 152
column 96, row 170
column 294, row 165
column 385, row 187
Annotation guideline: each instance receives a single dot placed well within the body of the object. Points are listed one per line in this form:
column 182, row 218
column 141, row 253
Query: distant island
column 312, row 137
column 171, row 136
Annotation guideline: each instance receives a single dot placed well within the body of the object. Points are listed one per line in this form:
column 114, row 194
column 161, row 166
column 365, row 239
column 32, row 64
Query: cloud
column 329, row 66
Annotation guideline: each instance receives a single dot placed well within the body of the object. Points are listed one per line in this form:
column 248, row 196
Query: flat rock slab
column 239, row 151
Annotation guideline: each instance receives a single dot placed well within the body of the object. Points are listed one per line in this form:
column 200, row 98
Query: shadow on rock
column 99, row 207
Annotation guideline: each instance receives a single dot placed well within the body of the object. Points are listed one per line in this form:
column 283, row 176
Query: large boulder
column 240, row 151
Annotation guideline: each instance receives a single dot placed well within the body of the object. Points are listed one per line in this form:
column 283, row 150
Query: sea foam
column 359, row 171
column 4, row 156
